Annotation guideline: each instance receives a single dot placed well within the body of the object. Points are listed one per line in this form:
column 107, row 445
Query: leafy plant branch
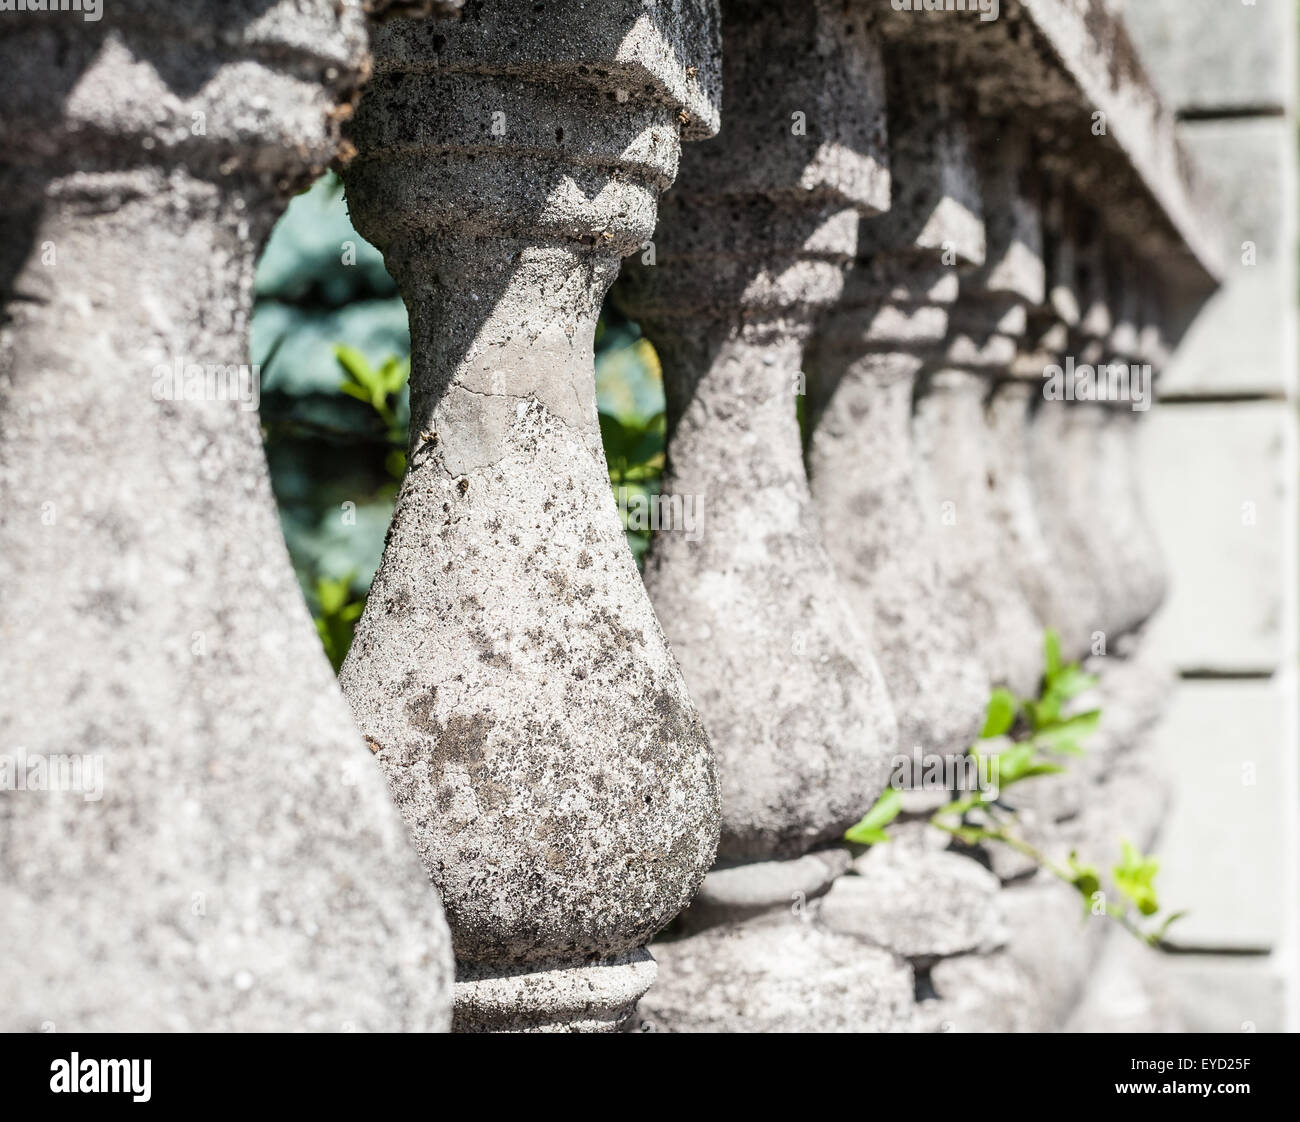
column 1046, row 736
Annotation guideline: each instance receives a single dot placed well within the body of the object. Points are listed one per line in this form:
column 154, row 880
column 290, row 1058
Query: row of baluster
column 570, row 750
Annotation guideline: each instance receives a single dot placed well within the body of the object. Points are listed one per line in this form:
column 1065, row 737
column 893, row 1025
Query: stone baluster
column 1152, row 350
column 509, row 670
column 952, row 438
column 1091, row 508
column 192, row 835
column 754, row 241
column 861, row 459
column 1028, row 551
column 1061, row 453
column 749, row 249
column 1133, row 688
column 1136, row 554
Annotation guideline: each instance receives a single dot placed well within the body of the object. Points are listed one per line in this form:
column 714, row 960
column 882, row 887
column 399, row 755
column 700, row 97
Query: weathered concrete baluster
column 1027, row 551
column 952, row 441
column 788, row 690
column 861, row 457
column 1061, row 453
column 1152, row 351
column 753, row 241
column 225, row 855
column 509, row 670
column 1133, row 687
column 1137, row 557
column 1091, row 342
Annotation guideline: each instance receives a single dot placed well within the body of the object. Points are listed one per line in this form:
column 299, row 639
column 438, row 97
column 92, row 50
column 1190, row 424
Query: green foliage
column 1042, row 717
column 634, row 449
column 870, row 828
column 1046, row 734
column 375, row 386
column 1062, row 682
column 629, row 386
column 1002, row 710
column 333, row 465
column 337, row 612
column 378, row 387
column 1086, row 879
column 1134, row 876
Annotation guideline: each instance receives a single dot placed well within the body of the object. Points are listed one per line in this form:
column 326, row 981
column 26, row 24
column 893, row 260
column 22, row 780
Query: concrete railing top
column 1068, row 70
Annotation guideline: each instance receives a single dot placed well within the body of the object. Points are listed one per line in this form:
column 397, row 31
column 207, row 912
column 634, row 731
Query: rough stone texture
column 918, row 905
column 1225, row 608
column 1209, row 55
column 1095, row 498
column 594, row 997
column 978, row 993
column 509, row 671
column 861, row 456
column 1052, row 944
column 1021, row 957
column 783, row 973
column 732, row 891
column 244, row 869
column 1219, row 848
column 753, row 240
column 1047, row 965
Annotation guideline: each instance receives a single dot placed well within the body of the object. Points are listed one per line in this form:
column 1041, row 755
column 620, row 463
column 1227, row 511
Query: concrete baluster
column 861, row 458
column 228, row 858
column 953, row 441
column 753, row 243
column 509, row 669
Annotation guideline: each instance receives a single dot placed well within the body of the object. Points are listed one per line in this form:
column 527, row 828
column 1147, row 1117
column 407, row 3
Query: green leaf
column 352, row 389
column 394, row 373
column 1011, row 763
column 1065, row 736
column 1001, row 713
column 1051, row 654
column 1135, row 879
column 1071, row 681
column 337, row 616
column 869, row 829
column 1086, row 879
column 958, row 807
column 331, row 594
column 356, row 365
column 1045, row 712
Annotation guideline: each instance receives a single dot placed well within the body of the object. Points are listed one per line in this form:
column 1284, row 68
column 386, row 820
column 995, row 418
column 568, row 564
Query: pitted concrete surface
column 244, row 869
column 509, row 671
